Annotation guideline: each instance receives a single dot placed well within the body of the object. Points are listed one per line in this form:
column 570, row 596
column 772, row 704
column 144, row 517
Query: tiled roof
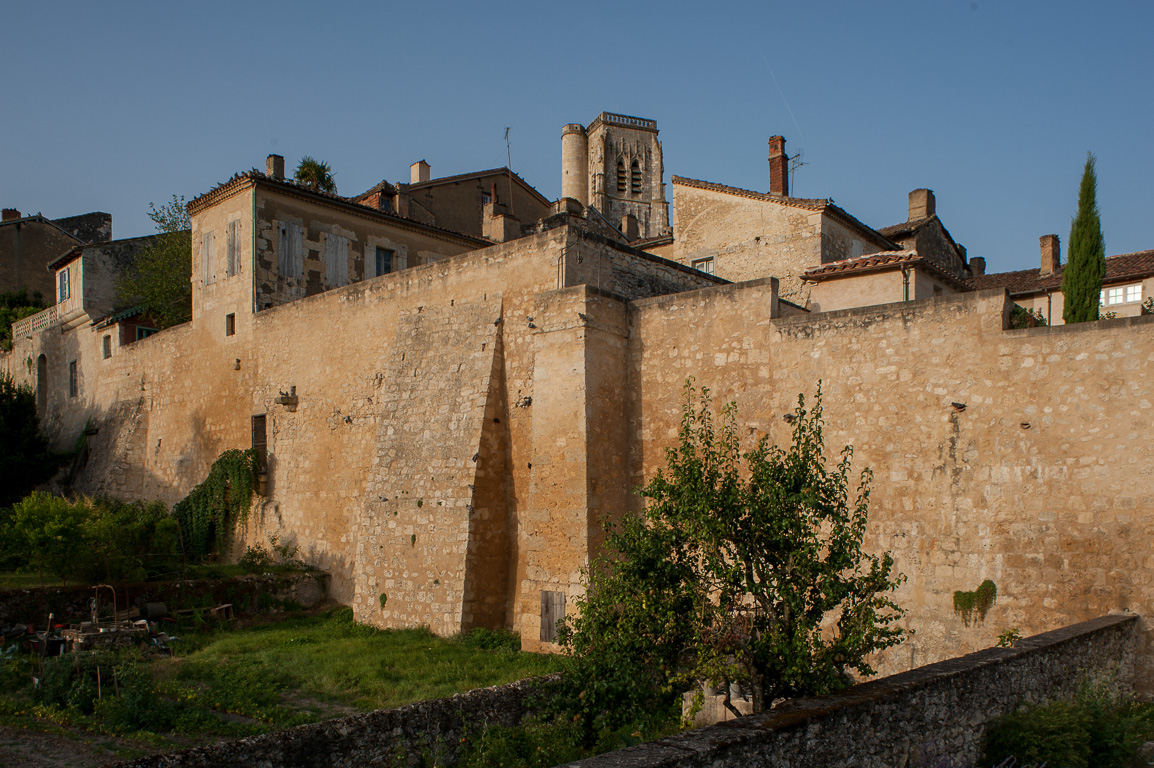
column 877, row 262
column 805, row 203
column 1121, row 268
column 382, row 186
column 906, row 227
column 502, row 171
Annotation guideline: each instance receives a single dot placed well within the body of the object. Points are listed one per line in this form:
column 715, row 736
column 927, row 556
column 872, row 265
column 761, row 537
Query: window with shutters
column 621, row 176
column 233, row 265
column 336, row 260
column 386, row 260
column 552, row 611
column 260, row 449
column 206, row 249
column 635, row 178
column 290, row 250
column 62, row 286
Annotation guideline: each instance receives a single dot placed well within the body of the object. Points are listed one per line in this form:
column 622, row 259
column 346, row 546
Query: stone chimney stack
column 978, row 265
column 1051, row 254
column 274, row 167
column 419, row 172
column 778, row 167
column 921, row 204
column 10, row 214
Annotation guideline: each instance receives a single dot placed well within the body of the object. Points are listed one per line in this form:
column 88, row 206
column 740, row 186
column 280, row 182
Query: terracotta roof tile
column 884, row 260
column 1120, row 268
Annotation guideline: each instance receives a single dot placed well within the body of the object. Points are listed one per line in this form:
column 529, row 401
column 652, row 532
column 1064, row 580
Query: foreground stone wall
column 1040, row 479
column 914, row 718
column 425, row 733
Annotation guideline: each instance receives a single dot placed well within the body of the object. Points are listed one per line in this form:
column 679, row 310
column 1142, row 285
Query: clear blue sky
column 993, row 105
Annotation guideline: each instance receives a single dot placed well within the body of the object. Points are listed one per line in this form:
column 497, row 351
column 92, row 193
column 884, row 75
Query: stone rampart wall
column 1023, row 457
column 915, row 718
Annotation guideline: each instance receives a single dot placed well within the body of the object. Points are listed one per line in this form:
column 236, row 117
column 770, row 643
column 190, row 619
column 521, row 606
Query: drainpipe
column 905, row 284
column 1049, row 309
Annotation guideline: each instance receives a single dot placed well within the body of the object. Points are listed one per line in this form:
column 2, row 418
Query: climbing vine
column 210, row 513
column 978, row 601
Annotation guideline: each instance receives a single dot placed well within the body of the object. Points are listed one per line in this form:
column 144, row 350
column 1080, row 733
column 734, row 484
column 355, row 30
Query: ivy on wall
column 210, row 513
column 978, row 601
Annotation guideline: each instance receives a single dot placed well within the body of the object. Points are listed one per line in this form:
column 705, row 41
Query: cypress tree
column 1086, row 265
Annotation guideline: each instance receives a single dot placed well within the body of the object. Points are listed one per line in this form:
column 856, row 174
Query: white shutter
column 336, row 260
column 370, row 261
column 206, row 250
column 297, row 250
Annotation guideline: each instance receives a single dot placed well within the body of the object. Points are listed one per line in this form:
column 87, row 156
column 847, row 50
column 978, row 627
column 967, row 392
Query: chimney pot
column 274, row 167
column 922, row 204
column 10, row 214
column 778, row 167
column 419, row 172
column 1051, row 254
column 978, row 265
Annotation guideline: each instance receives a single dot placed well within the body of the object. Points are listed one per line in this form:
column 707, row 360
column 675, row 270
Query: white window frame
column 1120, row 294
column 706, row 265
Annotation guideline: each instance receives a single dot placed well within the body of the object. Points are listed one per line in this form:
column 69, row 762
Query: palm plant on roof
column 316, row 174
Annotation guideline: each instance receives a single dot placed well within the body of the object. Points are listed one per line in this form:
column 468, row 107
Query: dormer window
column 621, row 176
column 635, row 178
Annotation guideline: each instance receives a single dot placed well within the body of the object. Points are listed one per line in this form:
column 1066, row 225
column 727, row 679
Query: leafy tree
column 15, row 306
column 25, row 460
column 160, row 278
column 50, row 531
column 122, row 539
column 313, row 173
column 1086, row 266
column 737, row 571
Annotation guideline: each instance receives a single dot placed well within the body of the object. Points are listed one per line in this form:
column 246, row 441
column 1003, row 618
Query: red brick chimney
column 1051, row 254
column 274, row 167
column 778, row 167
column 10, row 214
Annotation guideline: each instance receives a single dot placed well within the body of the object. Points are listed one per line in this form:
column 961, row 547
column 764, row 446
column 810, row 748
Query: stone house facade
column 447, row 438
column 28, row 243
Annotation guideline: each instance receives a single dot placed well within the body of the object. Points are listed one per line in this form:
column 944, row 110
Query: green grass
column 331, row 658
column 233, row 682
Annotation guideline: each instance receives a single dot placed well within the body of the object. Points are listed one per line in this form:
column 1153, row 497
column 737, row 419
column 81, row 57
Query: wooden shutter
column 336, row 260
column 233, row 266
column 297, row 250
column 552, row 611
column 206, row 248
column 370, row 262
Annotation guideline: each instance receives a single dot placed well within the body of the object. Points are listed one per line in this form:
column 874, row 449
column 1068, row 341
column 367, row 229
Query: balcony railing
column 30, row 326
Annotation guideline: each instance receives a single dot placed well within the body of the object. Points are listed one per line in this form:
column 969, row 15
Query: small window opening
column 620, row 176
column 704, row 265
column 229, row 324
column 260, row 448
column 144, row 333
column 73, row 380
column 635, row 178
column 107, row 345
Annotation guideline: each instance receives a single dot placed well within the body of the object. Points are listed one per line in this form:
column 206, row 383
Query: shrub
column 208, row 516
column 49, row 531
column 492, row 639
column 1099, row 728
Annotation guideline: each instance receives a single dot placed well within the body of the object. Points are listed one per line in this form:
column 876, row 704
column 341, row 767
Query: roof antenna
column 795, row 162
column 508, row 148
